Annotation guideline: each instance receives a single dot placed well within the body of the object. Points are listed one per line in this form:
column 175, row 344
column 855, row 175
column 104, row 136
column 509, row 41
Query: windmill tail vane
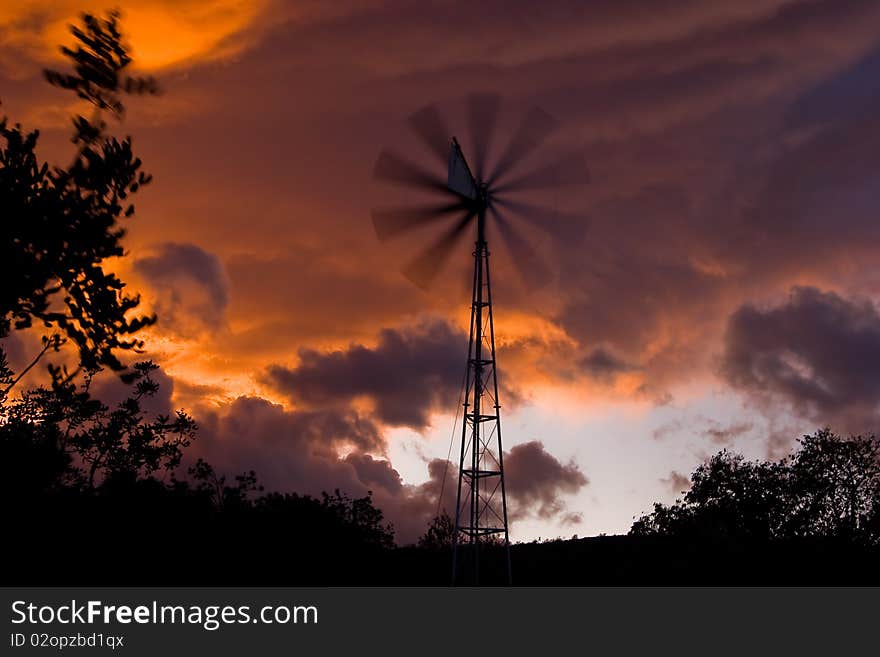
column 477, row 195
column 460, row 178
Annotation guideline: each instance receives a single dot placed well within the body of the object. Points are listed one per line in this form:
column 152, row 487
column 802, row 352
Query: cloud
column 302, row 452
column 309, row 452
column 375, row 473
column 703, row 427
column 371, row 292
column 676, row 482
column 723, row 435
column 536, row 485
column 669, row 107
column 536, row 481
column 667, row 429
column 603, row 365
column 819, row 353
column 668, row 261
column 407, row 375
column 161, row 33
column 110, row 390
column 190, row 287
column 672, row 111
column 291, row 451
column 314, row 451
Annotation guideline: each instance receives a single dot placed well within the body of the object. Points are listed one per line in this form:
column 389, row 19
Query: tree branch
column 49, row 344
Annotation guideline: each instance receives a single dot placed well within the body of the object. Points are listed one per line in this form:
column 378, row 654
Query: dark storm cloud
column 851, row 93
column 665, row 263
column 420, row 503
column 301, row 451
column 820, row 190
column 375, row 473
column 635, row 285
column 108, row 387
column 271, row 325
column 818, row 353
column 409, row 373
column 673, row 110
column 631, row 256
column 290, row 451
column 601, row 364
column 754, row 53
column 536, row 481
column 190, row 287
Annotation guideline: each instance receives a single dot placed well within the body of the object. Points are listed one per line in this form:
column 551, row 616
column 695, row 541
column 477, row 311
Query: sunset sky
column 714, row 284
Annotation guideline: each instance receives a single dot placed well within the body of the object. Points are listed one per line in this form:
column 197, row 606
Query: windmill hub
column 484, row 196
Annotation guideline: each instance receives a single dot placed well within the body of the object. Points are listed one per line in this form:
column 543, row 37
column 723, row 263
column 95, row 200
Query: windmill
column 470, row 199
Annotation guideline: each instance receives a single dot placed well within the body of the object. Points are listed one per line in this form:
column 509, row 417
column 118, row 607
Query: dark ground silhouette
column 144, row 537
column 127, row 527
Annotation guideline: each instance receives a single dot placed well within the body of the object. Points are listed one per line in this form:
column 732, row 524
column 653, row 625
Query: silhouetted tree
column 830, row 488
column 835, row 487
column 214, row 486
column 360, row 514
column 97, row 440
column 7, row 376
column 664, row 520
column 123, row 440
column 32, row 457
column 60, row 224
column 439, row 534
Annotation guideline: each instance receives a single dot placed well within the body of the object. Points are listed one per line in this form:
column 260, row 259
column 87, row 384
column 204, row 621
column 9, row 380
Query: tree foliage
column 439, row 535
column 223, row 496
column 91, row 440
column 360, row 514
column 61, row 224
column 829, row 488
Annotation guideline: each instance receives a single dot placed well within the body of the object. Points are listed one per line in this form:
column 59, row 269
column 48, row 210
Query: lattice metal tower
column 481, row 500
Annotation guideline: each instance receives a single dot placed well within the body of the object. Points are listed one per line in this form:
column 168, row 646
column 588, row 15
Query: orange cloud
column 162, row 33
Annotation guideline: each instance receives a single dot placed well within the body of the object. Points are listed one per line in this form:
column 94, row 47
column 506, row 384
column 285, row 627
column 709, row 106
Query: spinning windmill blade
column 423, row 269
column 482, row 116
column 533, row 271
column 569, row 170
column 535, row 128
column 431, row 127
column 466, row 196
